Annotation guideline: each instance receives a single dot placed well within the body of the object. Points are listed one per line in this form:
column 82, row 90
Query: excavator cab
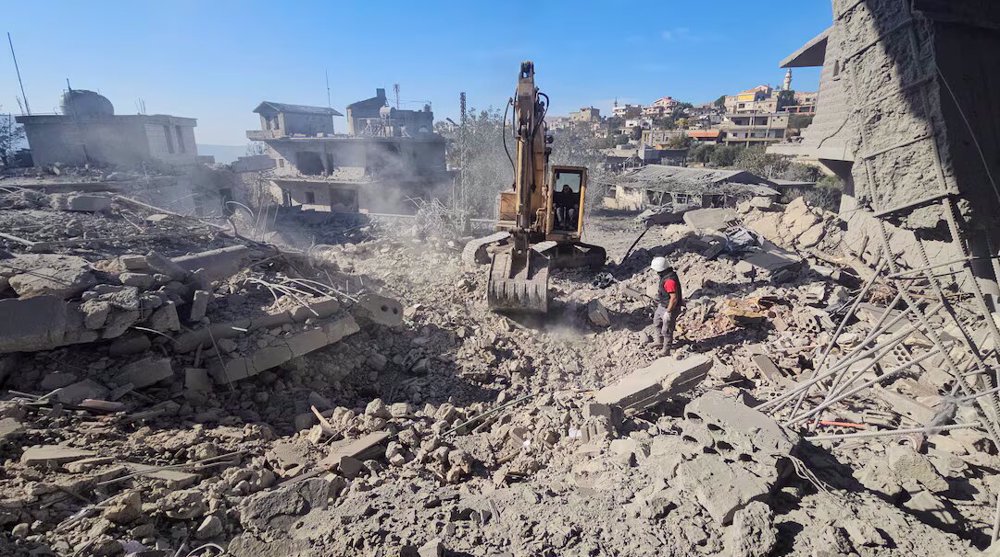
column 568, row 184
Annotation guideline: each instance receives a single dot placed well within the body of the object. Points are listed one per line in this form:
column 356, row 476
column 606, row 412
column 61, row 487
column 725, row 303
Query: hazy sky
column 215, row 60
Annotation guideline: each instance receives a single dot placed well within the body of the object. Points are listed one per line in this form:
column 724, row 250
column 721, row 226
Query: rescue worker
column 670, row 300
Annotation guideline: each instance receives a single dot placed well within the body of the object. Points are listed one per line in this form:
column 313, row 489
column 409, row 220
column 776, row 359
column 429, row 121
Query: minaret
column 787, row 86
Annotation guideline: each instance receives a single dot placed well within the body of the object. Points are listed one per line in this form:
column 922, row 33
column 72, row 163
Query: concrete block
column 197, row 379
column 598, row 314
column 199, row 305
column 659, row 380
column 774, row 260
column 146, row 372
column 142, row 281
column 95, row 313
column 134, row 262
column 379, row 310
column 906, row 406
column 31, row 324
column 165, row 318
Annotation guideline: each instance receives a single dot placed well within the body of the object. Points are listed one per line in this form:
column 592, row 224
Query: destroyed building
column 89, row 132
column 387, row 156
column 683, row 188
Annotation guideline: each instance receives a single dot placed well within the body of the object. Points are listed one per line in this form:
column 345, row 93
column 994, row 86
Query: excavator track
column 519, row 284
column 475, row 253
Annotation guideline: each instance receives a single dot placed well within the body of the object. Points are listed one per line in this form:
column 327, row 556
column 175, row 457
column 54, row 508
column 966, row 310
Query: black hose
column 503, row 133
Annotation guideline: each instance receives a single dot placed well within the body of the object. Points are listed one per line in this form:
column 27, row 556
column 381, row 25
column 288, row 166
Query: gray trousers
column 664, row 322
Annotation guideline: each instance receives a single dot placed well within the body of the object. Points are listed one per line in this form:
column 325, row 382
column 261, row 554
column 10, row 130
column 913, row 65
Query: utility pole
column 329, row 104
column 27, row 108
column 395, row 90
column 462, row 150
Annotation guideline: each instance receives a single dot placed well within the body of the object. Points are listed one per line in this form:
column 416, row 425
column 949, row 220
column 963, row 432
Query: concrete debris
column 654, row 383
column 197, row 385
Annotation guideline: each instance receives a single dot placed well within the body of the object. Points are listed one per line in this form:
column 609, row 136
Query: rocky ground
column 463, row 432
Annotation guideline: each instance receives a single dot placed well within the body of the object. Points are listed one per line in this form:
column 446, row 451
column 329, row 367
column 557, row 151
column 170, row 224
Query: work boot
column 665, row 350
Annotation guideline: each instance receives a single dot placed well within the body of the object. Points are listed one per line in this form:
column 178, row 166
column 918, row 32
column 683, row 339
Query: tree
column 720, row 102
column 765, row 165
column 725, row 155
column 11, row 135
column 682, row 123
column 702, row 152
column 679, row 142
column 487, row 169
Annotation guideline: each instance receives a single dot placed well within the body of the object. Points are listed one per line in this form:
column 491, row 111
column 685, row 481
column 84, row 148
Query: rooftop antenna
column 395, row 90
column 68, row 86
column 328, row 103
column 18, row 70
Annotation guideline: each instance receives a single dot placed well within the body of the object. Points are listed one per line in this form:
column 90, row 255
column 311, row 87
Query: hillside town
column 761, row 325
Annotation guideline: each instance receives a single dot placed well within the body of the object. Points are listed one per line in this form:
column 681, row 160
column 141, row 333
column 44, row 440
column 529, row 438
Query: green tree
column 702, row 152
column 720, row 102
column 761, row 163
column 679, row 142
column 725, row 155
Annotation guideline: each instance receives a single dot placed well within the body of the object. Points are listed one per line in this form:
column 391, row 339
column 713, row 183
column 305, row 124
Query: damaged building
column 387, row 156
column 89, row 132
column 685, row 188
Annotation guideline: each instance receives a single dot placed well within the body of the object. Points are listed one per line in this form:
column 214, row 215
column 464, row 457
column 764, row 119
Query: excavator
column 540, row 220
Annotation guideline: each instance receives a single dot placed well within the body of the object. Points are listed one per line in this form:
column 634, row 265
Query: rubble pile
column 286, row 398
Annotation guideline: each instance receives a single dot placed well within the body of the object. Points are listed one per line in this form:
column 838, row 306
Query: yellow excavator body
column 541, row 217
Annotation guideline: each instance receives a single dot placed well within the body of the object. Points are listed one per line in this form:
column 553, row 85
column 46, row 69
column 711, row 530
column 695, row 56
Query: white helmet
column 659, row 264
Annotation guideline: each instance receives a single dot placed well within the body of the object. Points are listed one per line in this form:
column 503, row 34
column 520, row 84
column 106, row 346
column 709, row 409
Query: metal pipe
column 888, row 375
column 843, row 322
column 890, row 433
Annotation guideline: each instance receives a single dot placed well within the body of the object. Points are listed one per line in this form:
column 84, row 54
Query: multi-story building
column 381, row 162
column 626, row 111
column 587, row 114
column 754, row 129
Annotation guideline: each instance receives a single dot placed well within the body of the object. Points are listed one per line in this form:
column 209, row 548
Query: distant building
column 667, row 103
column 587, row 114
column 89, row 132
column 626, row 111
column 661, row 137
column 705, row 136
column 388, row 155
column 754, row 129
column 686, row 188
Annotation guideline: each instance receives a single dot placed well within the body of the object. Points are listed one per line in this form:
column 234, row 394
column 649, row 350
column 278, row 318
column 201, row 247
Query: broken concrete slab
column 654, row 383
column 774, row 260
column 172, row 479
column 722, row 488
column 80, row 391
column 84, row 202
column 910, row 466
column 146, row 372
column 62, row 276
column 283, row 349
column 752, row 533
column 710, row 219
column 216, row 264
column 905, row 406
column 165, row 266
column 769, row 371
column 10, row 428
column 31, row 324
column 53, row 454
column 744, row 428
column 361, row 448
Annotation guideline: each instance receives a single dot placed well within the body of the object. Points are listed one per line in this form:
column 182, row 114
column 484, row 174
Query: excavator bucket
column 519, row 282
